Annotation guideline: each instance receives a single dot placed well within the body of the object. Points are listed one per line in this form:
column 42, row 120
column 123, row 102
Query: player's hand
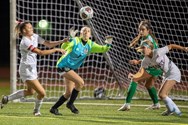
column 130, row 75
column 72, row 32
column 185, row 49
column 108, row 40
column 134, row 62
column 60, row 50
column 135, row 41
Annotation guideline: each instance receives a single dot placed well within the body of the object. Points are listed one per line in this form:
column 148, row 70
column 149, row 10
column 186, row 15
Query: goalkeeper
column 77, row 50
column 145, row 32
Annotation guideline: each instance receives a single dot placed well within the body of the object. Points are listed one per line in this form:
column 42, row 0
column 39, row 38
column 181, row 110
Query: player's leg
column 16, row 95
column 79, row 83
column 35, row 84
column 152, row 92
column 69, row 85
column 163, row 94
column 138, row 77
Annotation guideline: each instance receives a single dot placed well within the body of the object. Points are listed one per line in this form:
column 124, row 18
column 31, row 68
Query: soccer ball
column 86, row 12
column 99, row 93
column 43, row 27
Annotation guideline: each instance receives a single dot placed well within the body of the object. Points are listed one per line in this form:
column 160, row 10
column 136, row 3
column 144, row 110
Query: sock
column 172, row 106
column 16, row 95
column 131, row 91
column 61, row 100
column 37, row 106
column 153, row 94
column 73, row 96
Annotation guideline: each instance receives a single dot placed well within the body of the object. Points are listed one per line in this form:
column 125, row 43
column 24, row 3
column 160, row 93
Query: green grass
column 92, row 112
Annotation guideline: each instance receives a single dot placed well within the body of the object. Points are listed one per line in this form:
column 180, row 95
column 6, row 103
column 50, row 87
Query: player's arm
column 52, row 44
column 96, row 48
column 174, row 46
column 135, row 62
column 47, row 52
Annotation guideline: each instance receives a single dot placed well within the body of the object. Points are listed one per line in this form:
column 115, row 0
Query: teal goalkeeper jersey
column 76, row 52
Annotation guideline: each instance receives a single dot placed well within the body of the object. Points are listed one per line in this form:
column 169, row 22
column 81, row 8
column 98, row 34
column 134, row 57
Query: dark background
column 4, row 34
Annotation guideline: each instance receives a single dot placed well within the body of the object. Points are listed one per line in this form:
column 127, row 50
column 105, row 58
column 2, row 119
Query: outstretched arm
column 48, row 52
column 174, row 46
column 52, row 44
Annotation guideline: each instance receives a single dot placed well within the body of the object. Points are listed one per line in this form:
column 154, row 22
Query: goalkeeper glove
column 108, row 40
column 72, row 32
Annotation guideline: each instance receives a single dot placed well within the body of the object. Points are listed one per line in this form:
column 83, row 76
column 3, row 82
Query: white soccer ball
column 86, row 12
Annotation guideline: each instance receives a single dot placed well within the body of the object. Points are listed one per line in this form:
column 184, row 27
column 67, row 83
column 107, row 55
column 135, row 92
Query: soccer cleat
column 36, row 113
column 72, row 108
column 153, row 107
column 125, row 107
column 167, row 113
column 4, row 101
column 55, row 111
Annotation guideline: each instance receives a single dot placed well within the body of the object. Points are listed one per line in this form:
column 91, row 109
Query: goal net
column 119, row 18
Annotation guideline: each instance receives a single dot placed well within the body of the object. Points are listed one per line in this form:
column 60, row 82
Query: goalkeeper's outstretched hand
column 108, row 40
column 72, row 32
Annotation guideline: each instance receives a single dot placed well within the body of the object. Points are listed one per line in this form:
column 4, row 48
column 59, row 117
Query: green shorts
column 154, row 72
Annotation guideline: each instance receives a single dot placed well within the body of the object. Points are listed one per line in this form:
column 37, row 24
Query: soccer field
column 92, row 112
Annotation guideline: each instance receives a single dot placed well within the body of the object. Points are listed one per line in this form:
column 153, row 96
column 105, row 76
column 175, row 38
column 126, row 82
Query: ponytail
column 19, row 28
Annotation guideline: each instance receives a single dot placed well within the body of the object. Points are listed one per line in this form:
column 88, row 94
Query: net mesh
column 119, row 18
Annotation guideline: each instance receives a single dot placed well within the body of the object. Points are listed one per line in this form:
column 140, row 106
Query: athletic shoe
column 167, row 113
column 72, row 108
column 179, row 114
column 4, row 101
column 36, row 113
column 153, row 107
column 55, row 111
column 125, row 107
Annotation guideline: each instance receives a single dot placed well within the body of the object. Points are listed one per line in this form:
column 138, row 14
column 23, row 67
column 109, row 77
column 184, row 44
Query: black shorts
column 62, row 71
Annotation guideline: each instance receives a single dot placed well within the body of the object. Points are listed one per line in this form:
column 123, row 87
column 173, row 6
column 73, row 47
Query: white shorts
column 173, row 74
column 28, row 72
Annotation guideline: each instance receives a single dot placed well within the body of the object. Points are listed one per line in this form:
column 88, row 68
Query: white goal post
column 119, row 18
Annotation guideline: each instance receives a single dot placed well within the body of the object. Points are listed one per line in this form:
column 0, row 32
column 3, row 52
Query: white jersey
column 160, row 60
column 28, row 62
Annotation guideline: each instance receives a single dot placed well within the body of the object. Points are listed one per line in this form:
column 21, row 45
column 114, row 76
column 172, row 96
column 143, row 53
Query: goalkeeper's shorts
column 154, row 72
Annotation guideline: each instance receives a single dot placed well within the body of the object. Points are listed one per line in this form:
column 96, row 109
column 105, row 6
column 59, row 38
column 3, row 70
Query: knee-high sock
column 73, row 96
column 38, row 104
column 153, row 94
column 16, row 95
column 131, row 91
column 61, row 100
column 171, row 106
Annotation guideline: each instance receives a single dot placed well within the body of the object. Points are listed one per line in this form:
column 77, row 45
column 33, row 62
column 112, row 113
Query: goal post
column 119, row 18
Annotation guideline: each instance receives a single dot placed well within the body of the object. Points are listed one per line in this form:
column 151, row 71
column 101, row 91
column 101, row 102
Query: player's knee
column 80, row 84
column 42, row 94
column 148, row 86
column 161, row 95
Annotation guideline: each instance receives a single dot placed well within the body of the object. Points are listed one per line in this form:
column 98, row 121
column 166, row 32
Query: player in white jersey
column 157, row 58
column 28, row 64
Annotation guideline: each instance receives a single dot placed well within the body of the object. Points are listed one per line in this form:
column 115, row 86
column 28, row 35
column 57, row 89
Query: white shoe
column 153, row 107
column 36, row 113
column 125, row 107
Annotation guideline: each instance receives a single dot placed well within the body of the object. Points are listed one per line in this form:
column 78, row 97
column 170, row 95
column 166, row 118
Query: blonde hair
column 145, row 42
column 84, row 28
column 20, row 27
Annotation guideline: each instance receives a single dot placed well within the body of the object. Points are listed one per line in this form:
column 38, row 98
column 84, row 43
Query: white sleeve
column 162, row 51
column 144, row 63
column 28, row 45
column 40, row 40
